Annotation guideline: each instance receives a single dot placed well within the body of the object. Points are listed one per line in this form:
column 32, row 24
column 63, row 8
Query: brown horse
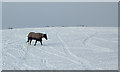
column 36, row 36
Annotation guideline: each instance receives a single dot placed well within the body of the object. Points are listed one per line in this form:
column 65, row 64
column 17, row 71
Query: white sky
column 60, row 0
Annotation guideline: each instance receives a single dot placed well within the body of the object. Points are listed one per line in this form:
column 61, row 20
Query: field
column 67, row 48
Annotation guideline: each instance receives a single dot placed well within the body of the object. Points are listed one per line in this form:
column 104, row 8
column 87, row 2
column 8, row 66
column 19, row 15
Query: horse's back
column 35, row 35
column 31, row 34
column 39, row 35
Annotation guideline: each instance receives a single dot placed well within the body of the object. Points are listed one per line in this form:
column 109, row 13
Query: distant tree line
column 10, row 28
column 82, row 25
column 56, row 26
column 67, row 26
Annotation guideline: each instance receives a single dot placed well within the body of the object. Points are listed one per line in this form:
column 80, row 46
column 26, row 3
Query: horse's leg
column 41, row 42
column 30, row 41
column 35, row 43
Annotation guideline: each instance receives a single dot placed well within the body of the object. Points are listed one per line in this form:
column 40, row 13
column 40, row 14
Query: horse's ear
column 45, row 34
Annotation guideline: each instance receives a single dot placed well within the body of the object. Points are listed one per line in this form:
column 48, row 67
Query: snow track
column 77, row 60
column 67, row 48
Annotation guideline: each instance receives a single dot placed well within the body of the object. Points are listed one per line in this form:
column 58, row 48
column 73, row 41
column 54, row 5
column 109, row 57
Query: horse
column 37, row 37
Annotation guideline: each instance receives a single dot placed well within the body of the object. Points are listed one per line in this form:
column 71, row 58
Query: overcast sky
column 39, row 14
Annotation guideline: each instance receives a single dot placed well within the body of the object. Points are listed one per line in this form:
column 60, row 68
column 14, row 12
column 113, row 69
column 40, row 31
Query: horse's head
column 45, row 36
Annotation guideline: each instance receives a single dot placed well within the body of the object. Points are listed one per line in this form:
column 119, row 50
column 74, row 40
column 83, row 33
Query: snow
column 67, row 48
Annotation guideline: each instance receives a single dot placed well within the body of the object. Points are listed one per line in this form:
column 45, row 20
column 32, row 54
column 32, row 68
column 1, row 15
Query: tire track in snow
column 105, row 40
column 64, row 57
column 23, row 58
column 97, row 48
column 7, row 53
column 84, row 41
column 87, row 42
column 79, row 60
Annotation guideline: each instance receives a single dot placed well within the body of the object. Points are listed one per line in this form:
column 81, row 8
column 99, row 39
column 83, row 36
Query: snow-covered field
column 67, row 48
